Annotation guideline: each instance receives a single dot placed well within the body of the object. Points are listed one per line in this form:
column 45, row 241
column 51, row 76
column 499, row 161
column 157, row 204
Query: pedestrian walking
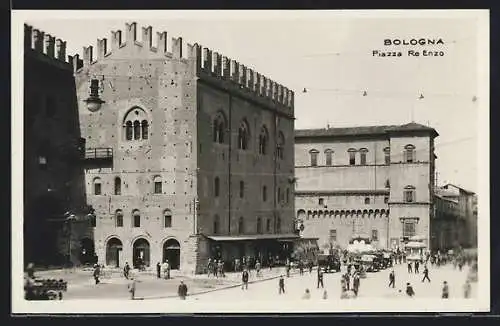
column 131, row 288
column 426, row 274
column 307, row 295
column 97, row 273
column 311, row 265
column 409, row 290
column 288, row 267
column 221, row 268
column 446, row 290
column 347, row 281
column 209, row 267
column 182, row 291
column 409, row 267
column 417, row 264
column 320, row 278
column 392, row 279
column 355, row 283
column 158, row 270
column 467, row 289
column 126, row 270
column 244, row 278
column 257, row 268
column 167, row 267
column 281, row 285
column 301, row 268
column 325, row 295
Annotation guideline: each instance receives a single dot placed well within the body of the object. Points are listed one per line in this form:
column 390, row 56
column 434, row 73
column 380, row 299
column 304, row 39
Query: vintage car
column 329, row 263
column 369, row 264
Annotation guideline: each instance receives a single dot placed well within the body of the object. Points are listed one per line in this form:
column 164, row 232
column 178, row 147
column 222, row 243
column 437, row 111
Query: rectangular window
column 97, row 189
column 268, row 225
column 386, row 199
column 242, row 189
column 409, row 196
column 321, row 201
column 387, row 158
column 375, row 235
column 158, row 187
column 167, row 221
column 333, row 236
column 137, row 221
column 264, row 193
column 408, row 229
column 362, row 158
column 119, row 221
column 409, row 156
column 352, row 158
column 279, row 195
column 314, row 159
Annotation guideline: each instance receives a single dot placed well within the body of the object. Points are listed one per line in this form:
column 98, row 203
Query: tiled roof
column 363, row 130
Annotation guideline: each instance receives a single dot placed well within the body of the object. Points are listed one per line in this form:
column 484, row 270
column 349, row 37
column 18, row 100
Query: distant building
column 54, row 200
column 455, row 217
column 374, row 182
column 189, row 154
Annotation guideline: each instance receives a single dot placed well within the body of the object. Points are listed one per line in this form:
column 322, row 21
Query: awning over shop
column 252, row 237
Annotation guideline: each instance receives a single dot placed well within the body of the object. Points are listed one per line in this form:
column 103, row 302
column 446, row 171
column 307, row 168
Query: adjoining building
column 54, row 200
column 373, row 182
column 189, row 154
column 455, row 218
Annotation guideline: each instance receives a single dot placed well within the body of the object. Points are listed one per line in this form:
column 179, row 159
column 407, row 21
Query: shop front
column 241, row 250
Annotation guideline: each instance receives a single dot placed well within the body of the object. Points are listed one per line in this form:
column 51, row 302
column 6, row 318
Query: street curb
column 217, row 289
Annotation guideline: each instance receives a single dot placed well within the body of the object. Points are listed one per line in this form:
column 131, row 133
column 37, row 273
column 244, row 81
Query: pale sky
column 331, row 56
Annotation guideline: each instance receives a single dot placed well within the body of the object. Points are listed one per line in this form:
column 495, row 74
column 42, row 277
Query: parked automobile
column 329, row 263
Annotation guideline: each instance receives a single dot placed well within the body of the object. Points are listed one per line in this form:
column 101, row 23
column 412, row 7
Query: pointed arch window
column 263, row 141
column 219, row 128
column 136, row 125
column 243, row 136
column 118, row 186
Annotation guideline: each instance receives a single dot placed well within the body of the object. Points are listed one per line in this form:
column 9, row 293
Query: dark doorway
column 114, row 249
column 172, row 252
column 141, row 253
column 87, row 251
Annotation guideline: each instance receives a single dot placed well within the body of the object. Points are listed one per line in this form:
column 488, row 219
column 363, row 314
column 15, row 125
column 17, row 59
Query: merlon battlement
column 206, row 62
column 42, row 42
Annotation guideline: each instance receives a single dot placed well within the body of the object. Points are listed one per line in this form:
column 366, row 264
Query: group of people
column 215, row 267
column 163, row 269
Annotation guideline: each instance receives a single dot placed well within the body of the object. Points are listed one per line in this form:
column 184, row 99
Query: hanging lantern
column 93, row 101
column 365, row 93
column 421, row 97
column 304, row 90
